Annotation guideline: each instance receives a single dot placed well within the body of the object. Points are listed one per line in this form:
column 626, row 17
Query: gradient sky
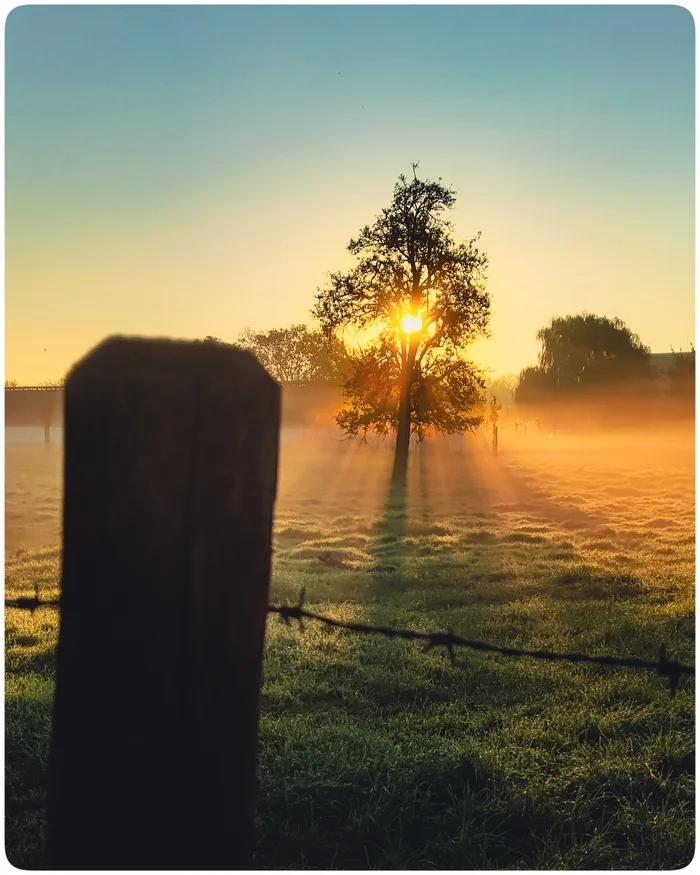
column 187, row 171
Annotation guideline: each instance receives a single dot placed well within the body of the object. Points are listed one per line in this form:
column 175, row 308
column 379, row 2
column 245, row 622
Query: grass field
column 375, row 754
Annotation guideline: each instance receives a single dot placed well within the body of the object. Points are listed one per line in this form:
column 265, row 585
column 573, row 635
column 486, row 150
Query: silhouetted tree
column 297, row 354
column 425, row 295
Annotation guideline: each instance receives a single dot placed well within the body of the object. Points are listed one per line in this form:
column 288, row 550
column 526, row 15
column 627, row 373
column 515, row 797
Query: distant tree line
column 420, row 296
column 583, row 358
column 46, row 384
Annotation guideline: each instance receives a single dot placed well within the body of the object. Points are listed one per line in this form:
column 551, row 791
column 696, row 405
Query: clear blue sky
column 195, row 170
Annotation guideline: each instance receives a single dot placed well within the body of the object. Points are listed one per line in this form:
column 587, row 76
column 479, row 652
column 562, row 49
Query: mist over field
column 596, row 465
column 388, row 756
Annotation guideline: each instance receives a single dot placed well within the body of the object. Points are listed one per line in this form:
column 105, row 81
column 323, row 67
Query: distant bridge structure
column 42, row 406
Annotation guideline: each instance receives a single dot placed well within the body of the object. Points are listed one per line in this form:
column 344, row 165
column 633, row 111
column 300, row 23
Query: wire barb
column 446, row 640
column 300, row 608
column 291, row 612
column 671, row 670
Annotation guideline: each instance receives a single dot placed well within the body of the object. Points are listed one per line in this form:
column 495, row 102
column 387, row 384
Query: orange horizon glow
column 161, row 200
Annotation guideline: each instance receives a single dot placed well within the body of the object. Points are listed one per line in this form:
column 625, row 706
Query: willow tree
column 424, row 296
column 584, row 354
column 588, row 351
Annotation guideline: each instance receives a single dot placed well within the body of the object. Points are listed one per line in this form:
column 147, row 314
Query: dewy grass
column 376, row 754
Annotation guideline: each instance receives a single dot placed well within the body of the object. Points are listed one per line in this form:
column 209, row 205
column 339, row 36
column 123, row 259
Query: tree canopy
column 296, row 354
column 424, row 296
column 446, row 394
column 583, row 353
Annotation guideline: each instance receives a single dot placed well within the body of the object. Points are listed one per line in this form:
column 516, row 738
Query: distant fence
column 170, row 472
column 305, row 405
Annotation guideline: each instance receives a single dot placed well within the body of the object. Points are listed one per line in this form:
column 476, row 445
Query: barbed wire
column 31, row 603
column 667, row 668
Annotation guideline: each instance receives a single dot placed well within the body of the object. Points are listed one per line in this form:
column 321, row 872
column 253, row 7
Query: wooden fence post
column 170, row 476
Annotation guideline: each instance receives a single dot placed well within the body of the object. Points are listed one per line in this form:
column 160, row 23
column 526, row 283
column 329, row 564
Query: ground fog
column 375, row 754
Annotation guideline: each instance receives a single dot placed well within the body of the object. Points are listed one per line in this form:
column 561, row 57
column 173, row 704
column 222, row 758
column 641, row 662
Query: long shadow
column 409, row 556
column 424, row 493
column 379, row 679
column 474, row 562
column 388, row 548
column 394, row 534
column 419, row 568
column 404, row 782
column 482, row 567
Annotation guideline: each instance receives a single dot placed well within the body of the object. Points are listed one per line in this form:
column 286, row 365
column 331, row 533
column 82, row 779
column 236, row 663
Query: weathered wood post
column 170, row 476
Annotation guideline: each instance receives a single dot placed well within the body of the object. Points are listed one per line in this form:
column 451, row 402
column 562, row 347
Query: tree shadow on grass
column 382, row 756
column 390, row 761
column 388, row 549
column 404, row 541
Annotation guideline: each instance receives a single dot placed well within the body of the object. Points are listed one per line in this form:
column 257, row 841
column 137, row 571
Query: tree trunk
column 403, row 435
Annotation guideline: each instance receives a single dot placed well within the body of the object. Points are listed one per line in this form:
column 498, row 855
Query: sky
column 186, row 171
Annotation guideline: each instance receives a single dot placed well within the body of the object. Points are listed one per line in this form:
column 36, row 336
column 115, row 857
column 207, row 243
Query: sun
column 410, row 324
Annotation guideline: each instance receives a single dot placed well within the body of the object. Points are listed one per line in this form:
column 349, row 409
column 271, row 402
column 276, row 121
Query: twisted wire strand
column 667, row 668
